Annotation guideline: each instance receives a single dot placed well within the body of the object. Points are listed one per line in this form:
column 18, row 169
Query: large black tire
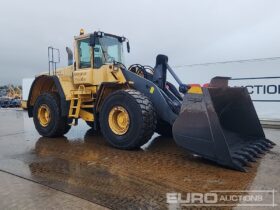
column 57, row 126
column 163, row 128
column 142, row 119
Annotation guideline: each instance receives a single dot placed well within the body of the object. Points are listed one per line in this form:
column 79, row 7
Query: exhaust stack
column 70, row 56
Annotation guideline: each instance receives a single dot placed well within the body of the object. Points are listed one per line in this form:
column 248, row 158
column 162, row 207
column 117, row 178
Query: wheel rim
column 44, row 115
column 119, row 120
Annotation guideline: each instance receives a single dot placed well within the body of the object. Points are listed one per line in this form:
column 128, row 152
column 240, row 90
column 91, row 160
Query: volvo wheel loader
column 217, row 122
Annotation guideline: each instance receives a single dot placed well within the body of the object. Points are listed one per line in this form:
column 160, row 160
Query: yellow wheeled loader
column 128, row 105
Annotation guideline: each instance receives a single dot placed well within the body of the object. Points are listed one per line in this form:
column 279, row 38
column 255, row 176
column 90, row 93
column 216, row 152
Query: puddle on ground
column 83, row 164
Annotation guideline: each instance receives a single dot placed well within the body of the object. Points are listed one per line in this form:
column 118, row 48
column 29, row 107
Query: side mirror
column 128, row 46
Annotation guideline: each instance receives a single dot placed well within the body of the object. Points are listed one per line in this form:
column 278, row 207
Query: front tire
column 127, row 119
column 47, row 116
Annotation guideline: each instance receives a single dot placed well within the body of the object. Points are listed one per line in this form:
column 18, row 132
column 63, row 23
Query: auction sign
column 264, row 92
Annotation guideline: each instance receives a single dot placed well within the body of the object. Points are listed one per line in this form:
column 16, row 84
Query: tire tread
column 148, row 117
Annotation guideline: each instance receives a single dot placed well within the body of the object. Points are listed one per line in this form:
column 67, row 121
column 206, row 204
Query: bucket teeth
column 270, row 146
column 264, row 142
column 262, row 146
column 252, row 152
column 246, row 155
column 243, row 161
column 269, row 143
column 256, row 148
column 238, row 166
column 272, row 143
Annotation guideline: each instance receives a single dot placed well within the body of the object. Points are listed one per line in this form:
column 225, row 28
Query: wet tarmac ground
column 86, row 168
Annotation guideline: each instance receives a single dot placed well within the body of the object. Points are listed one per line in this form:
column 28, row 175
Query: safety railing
column 54, row 59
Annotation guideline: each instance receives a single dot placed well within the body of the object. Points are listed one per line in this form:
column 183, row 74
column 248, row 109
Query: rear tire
column 53, row 125
column 137, row 110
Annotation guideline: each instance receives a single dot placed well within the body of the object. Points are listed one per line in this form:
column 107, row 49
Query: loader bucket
column 221, row 124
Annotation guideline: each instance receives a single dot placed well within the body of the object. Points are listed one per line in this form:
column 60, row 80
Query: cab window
column 84, row 52
column 107, row 50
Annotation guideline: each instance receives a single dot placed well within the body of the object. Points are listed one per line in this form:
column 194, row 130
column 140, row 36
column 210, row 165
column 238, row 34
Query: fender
column 104, row 90
column 153, row 92
column 45, row 83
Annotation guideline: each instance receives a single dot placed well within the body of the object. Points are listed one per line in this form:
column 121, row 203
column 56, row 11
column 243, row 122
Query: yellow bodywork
column 23, row 104
column 80, row 86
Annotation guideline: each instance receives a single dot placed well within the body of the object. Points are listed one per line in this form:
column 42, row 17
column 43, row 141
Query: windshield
column 107, row 49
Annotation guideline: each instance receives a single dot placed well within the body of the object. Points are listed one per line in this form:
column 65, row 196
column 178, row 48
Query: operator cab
column 98, row 49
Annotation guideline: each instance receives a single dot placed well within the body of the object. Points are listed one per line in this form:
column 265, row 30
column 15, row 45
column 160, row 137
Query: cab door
column 84, row 62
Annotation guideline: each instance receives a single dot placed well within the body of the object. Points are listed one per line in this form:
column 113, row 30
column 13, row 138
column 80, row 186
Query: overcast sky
column 188, row 31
